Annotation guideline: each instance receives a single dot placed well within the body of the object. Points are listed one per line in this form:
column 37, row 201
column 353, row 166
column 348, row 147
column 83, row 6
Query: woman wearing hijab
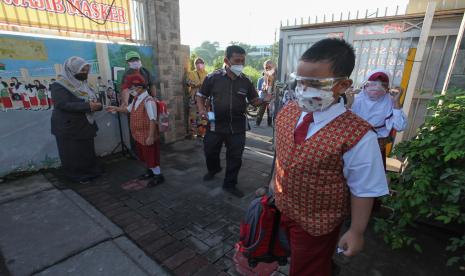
column 380, row 106
column 73, row 122
column 194, row 82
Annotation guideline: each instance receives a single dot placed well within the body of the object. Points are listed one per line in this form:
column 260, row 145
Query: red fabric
column 302, row 130
column 43, row 101
column 310, row 255
column 150, row 155
column 34, row 101
column 379, row 76
column 310, row 187
column 26, row 104
column 133, row 79
column 139, row 121
column 7, row 103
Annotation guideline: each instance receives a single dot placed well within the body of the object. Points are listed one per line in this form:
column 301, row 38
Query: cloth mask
column 375, row 93
column 81, row 76
column 200, row 66
column 236, row 69
column 312, row 99
column 136, row 65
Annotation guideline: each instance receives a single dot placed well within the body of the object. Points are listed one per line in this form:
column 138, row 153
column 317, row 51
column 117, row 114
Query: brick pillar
column 164, row 36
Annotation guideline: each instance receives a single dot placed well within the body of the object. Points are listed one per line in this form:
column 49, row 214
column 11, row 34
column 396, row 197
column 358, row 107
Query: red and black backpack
column 261, row 237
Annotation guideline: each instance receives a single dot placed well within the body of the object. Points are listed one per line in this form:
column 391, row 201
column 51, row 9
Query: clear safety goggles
column 317, row 83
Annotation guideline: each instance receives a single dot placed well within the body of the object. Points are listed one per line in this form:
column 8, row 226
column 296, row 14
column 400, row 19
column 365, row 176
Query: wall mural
column 28, row 66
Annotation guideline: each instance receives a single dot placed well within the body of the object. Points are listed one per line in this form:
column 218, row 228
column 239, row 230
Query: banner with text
column 101, row 17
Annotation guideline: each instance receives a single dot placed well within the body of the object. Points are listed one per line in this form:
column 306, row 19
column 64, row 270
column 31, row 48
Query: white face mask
column 312, row 99
column 135, row 64
column 236, row 69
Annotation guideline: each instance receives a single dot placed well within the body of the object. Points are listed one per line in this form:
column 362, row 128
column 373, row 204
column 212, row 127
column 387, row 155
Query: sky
column 256, row 21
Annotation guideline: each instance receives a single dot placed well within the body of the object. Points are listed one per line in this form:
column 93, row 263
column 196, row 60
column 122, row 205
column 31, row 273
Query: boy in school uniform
column 328, row 163
column 144, row 128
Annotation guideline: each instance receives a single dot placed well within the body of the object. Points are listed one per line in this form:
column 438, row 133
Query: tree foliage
column 432, row 187
column 213, row 57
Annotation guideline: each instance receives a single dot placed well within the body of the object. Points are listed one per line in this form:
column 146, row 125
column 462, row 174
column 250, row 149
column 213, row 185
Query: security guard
column 229, row 90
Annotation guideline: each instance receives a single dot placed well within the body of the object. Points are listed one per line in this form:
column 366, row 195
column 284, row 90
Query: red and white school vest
column 310, row 186
column 139, row 121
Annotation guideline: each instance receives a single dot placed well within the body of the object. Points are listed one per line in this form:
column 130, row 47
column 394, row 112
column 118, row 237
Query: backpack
column 163, row 116
column 261, row 238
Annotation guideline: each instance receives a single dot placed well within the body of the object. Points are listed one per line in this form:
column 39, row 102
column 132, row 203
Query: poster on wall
column 117, row 54
column 101, row 17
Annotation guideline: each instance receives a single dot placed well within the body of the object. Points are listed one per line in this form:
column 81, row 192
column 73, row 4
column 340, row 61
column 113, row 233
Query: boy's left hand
column 351, row 242
column 150, row 140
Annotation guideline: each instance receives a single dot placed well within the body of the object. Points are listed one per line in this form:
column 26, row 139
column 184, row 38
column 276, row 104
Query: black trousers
column 78, row 159
column 234, row 148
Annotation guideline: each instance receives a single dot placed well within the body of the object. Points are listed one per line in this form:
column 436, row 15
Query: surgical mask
column 81, row 76
column 200, row 66
column 236, row 69
column 312, row 99
column 136, row 65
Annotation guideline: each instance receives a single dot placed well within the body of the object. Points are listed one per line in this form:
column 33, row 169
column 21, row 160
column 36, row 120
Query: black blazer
column 69, row 115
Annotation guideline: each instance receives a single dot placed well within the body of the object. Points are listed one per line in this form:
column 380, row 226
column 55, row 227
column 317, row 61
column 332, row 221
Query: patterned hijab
column 80, row 89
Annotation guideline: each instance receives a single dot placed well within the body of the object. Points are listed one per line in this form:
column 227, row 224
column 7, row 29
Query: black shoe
column 234, row 191
column 210, row 175
column 148, row 174
column 159, row 178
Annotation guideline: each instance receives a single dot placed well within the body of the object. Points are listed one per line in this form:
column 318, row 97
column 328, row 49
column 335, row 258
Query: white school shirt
column 380, row 114
column 150, row 106
column 363, row 165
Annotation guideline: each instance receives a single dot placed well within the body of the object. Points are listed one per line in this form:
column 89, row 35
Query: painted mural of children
column 41, row 94
column 20, row 89
column 15, row 96
column 32, row 95
column 7, row 103
column 5, row 96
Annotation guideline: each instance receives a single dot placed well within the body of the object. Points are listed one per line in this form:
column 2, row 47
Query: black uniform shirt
column 229, row 100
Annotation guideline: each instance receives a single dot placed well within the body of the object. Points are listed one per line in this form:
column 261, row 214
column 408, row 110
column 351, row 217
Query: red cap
column 133, row 80
column 379, row 76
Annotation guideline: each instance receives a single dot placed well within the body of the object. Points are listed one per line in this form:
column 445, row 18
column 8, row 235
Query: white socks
column 156, row 170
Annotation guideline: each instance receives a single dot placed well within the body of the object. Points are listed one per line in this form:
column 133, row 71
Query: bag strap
column 274, row 232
